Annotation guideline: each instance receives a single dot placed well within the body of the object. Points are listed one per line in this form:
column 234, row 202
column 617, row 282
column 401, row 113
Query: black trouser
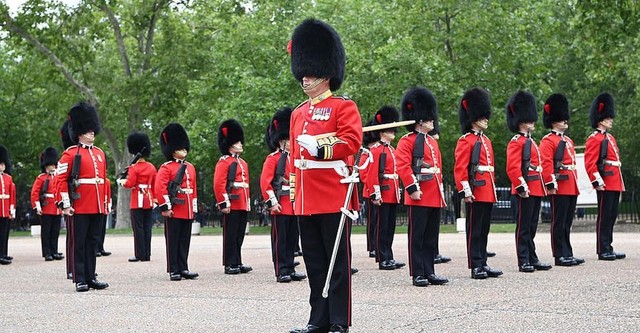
column 372, row 230
column 386, row 226
column 562, row 211
column 86, row 231
column 68, row 221
column 526, row 226
column 103, row 232
column 177, row 234
column 5, row 223
column 424, row 230
column 478, row 222
column 318, row 234
column 607, row 215
column 284, row 236
column 49, row 233
column 141, row 222
column 234, row 225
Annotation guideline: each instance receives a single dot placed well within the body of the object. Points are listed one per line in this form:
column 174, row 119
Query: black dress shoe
column 398, row 264
column 578, row 261
column 337, row 328
column 105, row 253
column 4, row 261
column 189, row 275
column 295, row 276
column 440, row 259
column 95, row 284
column 372, row 254
column 284, row 278
column 58, row 256
column 420, row 281
column 478, row 273
column 386, row 265
column 437, row 280
column 82, row 287
column 69, row 276
column 48, row 258
column 134, row 259
column 526, row 268
column 296, row 263
column 8, row 258
column 619, row 255
column 565, row 261
column 491, row 254
column 492, row 272
column 98, row 254
column 541, row 266
column 245, row 269
column 310, row 329
column 231, row 270
column 609, row 256
column 297, row 253
column 354, row 270
column 175, row 276
column 145, row 259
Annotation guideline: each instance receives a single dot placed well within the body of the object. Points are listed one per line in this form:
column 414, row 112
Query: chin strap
column 313, row 84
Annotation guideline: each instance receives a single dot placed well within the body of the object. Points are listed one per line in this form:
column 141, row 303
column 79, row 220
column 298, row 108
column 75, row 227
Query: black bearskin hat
column 49, row 156
column 267, row 139
column 368, row 137
column 83, row 118
column 279, row 127
column 602, row 107
column 556, row 108
column 173, row 137
column 229, row 133
column 64, row 135
column 419, row 104
column 475, row 104
column 316, row 50
column 521, row 108
column 4, row 158
column 139, row 142
column 386, row 115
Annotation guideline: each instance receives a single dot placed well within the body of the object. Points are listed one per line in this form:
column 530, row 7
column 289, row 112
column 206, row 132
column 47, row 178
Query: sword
column 371, row 128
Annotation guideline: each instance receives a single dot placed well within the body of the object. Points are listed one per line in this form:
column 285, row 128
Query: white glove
column 121, row 181
column 309, row 143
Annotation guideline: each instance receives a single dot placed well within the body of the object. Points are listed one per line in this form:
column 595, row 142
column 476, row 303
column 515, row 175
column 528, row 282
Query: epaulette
column 224, row 157
column 299, row 105
column 167, row 162
column 548, row 134
column 516, row 137
column 274, row 153
column 464, row 135
column 377, row 144
column 71, row 147
column 344, row 98
column 594, row 133
column 406, row 135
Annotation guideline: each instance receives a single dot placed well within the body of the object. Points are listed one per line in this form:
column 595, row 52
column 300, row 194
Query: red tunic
column 48, row 204
column 464, row 148
column 187, row 197
column 363, row 170
column 239, row 197
column 535, row 182
column 91, row 180
column 387, row 186
column 7, row 196
column 568, row 182
column 140, row 179
column 612, row 174
column 432, row 190
column 266, row 179
column 318, row 189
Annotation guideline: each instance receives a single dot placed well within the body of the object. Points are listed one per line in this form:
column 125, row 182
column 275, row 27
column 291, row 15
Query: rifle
column 73, row 178
column 174, row 185
column 526, row 159
column 602, row 159
column 231, row 177
column 278, row 178
column 381, row 167
column 558, row 157
column 473, row 166
column 125, row 172
column 417, row 160
column 43, row 191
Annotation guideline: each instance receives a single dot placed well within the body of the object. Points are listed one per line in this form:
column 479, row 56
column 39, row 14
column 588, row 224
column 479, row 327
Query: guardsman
column 232, row 193
column 559, row 174
column 43, row 203
column 177, row 196
column 140, row 177
column 81, row 174
column 524, row 169
column 474, row 177
column 321, row 182
column 368, row 140
column 384, row 187
column 420, row 168
column 274, row 185
column 7, row 204
column 602, row 162
column 68, row 221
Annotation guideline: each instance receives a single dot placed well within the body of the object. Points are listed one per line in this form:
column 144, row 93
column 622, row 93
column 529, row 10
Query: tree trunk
column 123, row 215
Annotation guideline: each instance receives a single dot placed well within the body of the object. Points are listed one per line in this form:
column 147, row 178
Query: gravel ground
column 598, row 296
